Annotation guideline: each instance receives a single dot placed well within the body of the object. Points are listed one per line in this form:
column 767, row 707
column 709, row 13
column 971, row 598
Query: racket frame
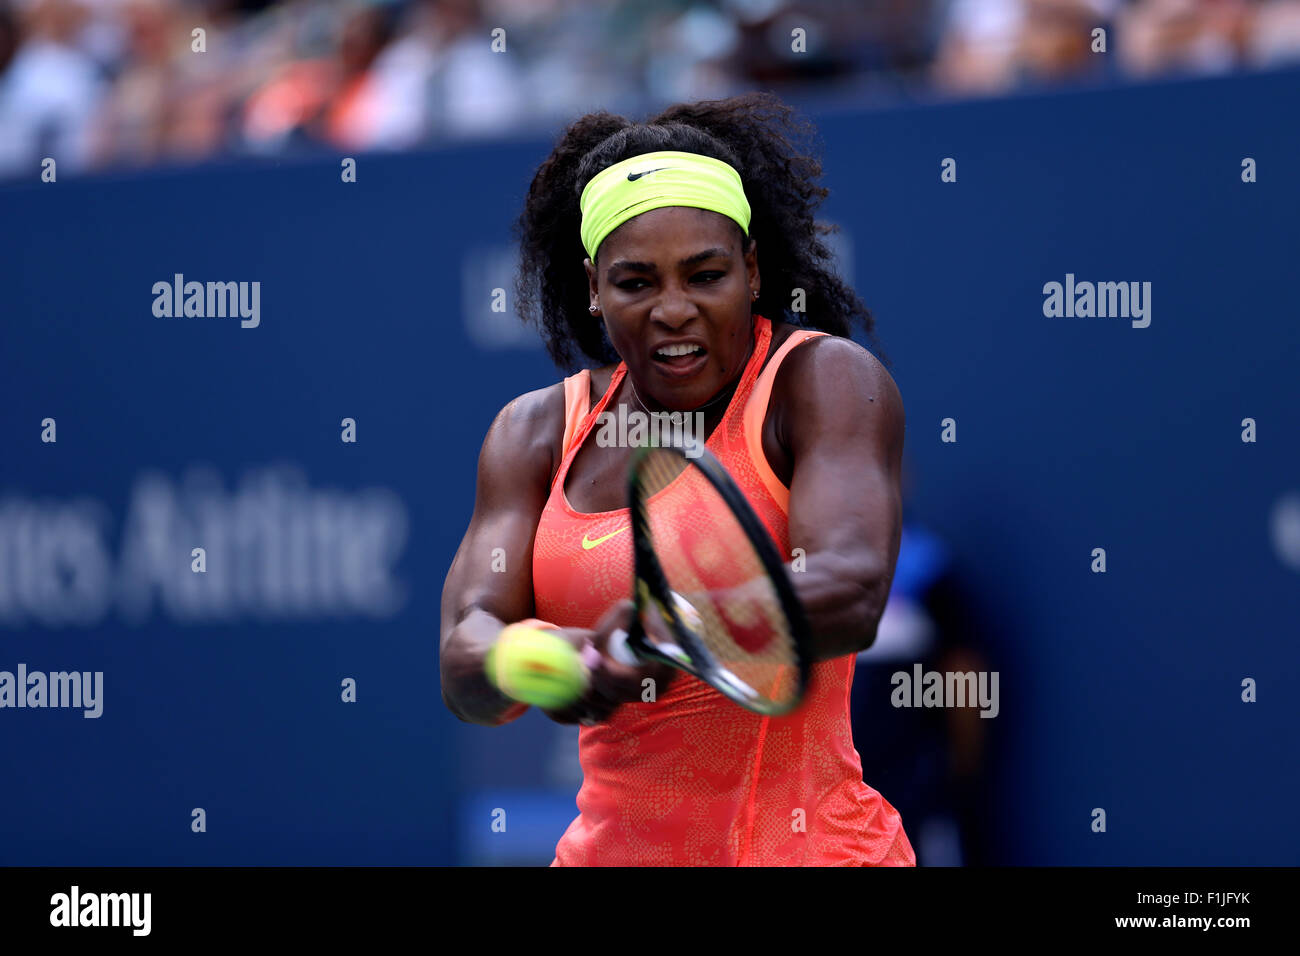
column 652, row 592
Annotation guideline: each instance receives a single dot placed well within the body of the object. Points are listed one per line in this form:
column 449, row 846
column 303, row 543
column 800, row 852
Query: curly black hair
column 771, row 149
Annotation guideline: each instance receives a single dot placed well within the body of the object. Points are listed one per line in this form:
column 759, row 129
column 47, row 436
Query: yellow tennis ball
column 536, row 667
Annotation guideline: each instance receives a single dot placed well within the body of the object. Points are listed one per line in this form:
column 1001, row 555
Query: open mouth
column 682, row 358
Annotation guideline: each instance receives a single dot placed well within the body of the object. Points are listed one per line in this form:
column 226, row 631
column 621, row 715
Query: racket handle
column 619, row 650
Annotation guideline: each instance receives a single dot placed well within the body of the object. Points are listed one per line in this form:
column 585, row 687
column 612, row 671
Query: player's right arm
column 487, row 588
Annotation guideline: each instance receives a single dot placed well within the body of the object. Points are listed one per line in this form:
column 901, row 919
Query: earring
column 592, row 309
column 755, row 293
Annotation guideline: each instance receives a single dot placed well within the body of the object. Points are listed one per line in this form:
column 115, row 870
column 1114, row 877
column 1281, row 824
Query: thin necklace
column 724, row 394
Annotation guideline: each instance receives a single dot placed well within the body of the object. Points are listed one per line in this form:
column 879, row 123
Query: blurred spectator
column 1273, row 36
column 476, row 91
column 1056, row 38
column 329, row 97
column 49, row 92
column 1169, row 36
column 979, row 46
column 133, row 124
column 994, row 45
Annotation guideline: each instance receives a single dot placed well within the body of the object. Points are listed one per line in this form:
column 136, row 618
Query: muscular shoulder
column 837, row 383
column 526, row 434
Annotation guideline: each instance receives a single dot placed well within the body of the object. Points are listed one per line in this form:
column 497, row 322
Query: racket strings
column 724, row 594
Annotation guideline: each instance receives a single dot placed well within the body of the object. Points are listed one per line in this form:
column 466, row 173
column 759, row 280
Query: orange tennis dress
column 694, row 779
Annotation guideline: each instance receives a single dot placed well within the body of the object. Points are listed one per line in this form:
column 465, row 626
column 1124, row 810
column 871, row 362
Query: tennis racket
column 707, row 571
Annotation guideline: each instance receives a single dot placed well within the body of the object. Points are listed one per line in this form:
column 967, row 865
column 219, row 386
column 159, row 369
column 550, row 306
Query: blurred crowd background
column 111, row 83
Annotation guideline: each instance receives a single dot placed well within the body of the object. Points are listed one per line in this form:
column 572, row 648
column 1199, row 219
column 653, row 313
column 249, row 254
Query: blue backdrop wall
column 223, row 691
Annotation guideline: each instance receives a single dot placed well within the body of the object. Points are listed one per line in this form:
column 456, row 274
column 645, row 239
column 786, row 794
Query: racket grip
column 619, row 650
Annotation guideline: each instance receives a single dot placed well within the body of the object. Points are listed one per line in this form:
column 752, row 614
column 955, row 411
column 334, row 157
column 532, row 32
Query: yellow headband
column 654, row 180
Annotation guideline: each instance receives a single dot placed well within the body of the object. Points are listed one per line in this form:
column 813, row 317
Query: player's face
column 675, row 279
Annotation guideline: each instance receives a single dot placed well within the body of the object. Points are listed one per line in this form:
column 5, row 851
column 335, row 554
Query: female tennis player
column 657, row 253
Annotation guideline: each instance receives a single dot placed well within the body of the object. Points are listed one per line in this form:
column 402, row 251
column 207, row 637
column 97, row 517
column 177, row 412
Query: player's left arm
column 841, row 420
